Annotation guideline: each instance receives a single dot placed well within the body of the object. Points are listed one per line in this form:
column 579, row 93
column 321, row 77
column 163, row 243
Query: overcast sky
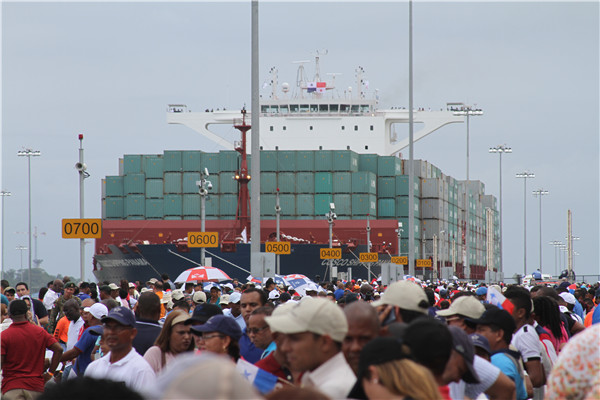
column 108, row 70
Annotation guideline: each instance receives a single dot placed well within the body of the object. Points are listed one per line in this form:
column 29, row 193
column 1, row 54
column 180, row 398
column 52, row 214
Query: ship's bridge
column 316, row 107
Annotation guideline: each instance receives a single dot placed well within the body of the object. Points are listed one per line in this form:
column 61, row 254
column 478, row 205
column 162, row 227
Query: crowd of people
column 332, row 340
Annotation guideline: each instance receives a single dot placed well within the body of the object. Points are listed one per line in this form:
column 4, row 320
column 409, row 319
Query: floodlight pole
column 525, row 175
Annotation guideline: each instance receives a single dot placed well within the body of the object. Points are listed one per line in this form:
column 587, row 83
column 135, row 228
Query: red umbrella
column 202, row 274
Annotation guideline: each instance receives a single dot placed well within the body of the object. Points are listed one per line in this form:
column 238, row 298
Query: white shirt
column 487, row 372
column 334, row 377
column 132, row 369
column 49, row 298
column 73, row 332
column 527, row 341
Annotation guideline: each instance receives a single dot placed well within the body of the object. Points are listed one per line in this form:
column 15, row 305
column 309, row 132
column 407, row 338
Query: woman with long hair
column 220, row 334
column 547, row 314
column 174, row 338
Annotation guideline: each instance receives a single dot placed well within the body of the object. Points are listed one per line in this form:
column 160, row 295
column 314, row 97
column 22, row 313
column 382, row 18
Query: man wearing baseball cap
column 312, row 335
column 85, row 345
column 404, row 301
column 462, row 311
column 234, row 311
column 498, row 326
column 122, row 363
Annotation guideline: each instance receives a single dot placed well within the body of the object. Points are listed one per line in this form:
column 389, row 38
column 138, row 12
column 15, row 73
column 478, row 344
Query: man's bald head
column 57, row 285
column 363, row 326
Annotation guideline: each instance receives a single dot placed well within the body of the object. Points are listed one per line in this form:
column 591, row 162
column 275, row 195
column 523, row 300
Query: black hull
column 150, row 261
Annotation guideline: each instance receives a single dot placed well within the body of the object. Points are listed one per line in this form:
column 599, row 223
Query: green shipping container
column 172, row 183
column 210, row 161
column 286, row 182
column 386, row 187
column 402, row 207
column 268, row 182
column 172, row 217
column 114, row 186
column 305, row 182
column 173, row 204
column 114, row 207
column 227, row 183
column 134, row 205
column 305, row 204
column 322, row 202
column 363, row 204
column 286, row 161
column 191, row 161
column 191, row 205
column 153, row 166
column 136, row 217
column 212, row 205
column 368, row 162
column 189, row 182
column 134, row 183
column 364, row 182
column 172, row 160
column 389, row 166
column 345, row 160
column 402, row 186
column 154, row 188
column 323, row 160
column 342, row 182
column 343, row 205
column 287, row 202
column 386, row 208
column 228, row 204
column 155, row 208
column 132, row 164
column 323, row 182
column 267, row 205
column 268, row 161
column 305, row 160
column 228, row 161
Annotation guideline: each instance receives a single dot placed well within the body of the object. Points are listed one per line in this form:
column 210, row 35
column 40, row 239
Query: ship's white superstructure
column 310, row 120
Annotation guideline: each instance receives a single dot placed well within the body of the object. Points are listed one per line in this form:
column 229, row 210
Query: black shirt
column 147, row 332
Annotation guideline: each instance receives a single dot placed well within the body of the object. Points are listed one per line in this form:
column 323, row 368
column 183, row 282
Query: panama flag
column 496, row 298
column 321, row 87
column 311, row 87
column 261, row 379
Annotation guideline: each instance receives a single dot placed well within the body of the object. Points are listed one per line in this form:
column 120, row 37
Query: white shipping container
column 432, row 189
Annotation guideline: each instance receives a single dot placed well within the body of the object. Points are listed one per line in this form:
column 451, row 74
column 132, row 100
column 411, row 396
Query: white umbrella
column 202, row 274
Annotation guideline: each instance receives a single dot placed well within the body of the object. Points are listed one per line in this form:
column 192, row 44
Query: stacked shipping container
column 163, row 186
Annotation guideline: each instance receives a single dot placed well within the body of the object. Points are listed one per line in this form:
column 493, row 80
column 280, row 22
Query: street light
column 29, row 153
column 468, row 111
column 4, row 194
column 525, row 175
column 331, row 216
column 556, row 244
column 21, row 248
column 500, row 149
column 539, row 193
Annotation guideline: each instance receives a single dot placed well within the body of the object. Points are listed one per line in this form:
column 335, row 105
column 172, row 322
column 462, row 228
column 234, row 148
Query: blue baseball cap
column 481, row 342
column 481, row 291
column 222, row 324
column 122, row 315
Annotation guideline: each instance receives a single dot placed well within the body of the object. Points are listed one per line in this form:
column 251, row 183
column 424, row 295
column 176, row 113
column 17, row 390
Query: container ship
column 316, row 149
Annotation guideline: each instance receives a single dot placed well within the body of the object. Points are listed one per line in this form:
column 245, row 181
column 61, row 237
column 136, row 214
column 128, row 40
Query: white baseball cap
column 317, row 315
column 235, row 297
column 467, row 306
column 273, row 294
column 405, row 295
column 568, row 297
column 98, row 310
column 199, row 297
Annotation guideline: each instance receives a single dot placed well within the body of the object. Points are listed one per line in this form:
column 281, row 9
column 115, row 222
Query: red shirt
column 270, row 364
column 23, row 346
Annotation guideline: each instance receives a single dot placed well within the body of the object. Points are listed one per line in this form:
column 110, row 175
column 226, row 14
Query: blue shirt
column 4, row 299
column 86, row 344
column 338, row 294
column 578, row 309
column 248, row 350
column 508, row 367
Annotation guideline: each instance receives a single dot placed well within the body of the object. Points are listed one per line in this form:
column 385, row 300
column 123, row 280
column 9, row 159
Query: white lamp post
column 29, row 153
column 525, row 175
column 539, row 193
column 500, row 149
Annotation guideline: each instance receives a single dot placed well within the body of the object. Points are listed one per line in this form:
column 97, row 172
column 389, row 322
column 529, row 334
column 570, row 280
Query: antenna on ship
column 300, row 78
